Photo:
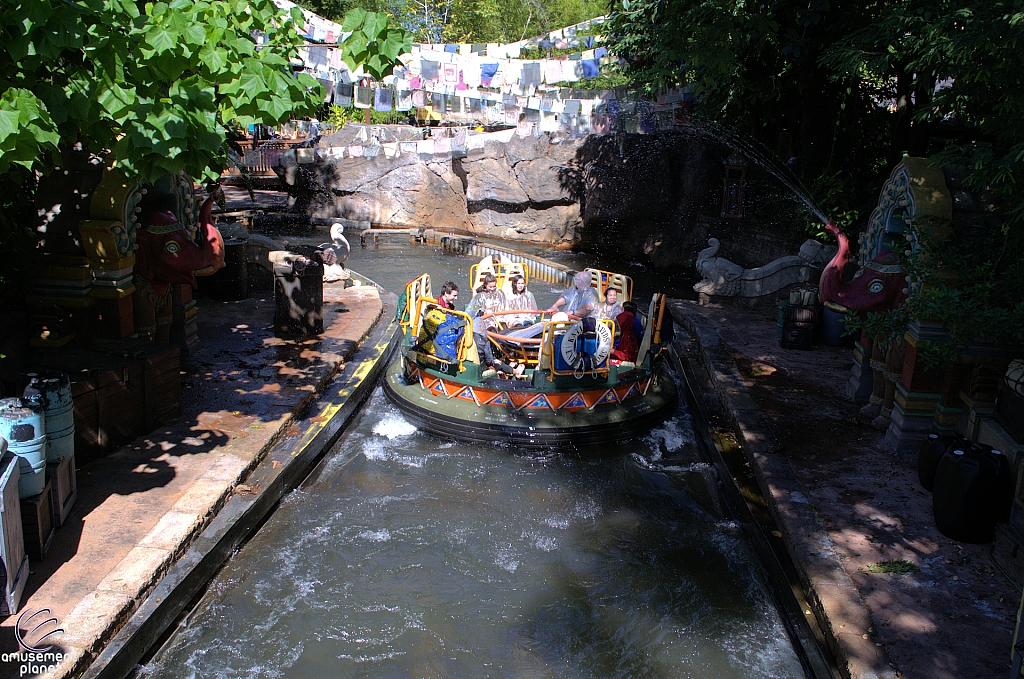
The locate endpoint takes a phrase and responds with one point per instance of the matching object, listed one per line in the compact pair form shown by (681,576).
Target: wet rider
(521,299)
(488,300)
(449,295)
(609,309)
(580,299)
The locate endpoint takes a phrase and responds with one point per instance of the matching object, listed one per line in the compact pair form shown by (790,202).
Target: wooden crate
(161,376)
(37,523)
(108,395)
(64,484)
(12,540)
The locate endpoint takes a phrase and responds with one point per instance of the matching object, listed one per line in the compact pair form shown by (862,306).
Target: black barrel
(969,494)
(298,299)
(231,283)
(931,451)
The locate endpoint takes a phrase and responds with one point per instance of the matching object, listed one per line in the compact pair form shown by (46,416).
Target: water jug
(931,451)
(965,498)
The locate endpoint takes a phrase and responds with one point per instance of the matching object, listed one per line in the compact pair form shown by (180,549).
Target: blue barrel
(53,388)
(833,327)
(23,424)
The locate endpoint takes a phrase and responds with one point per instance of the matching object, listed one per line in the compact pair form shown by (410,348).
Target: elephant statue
(167,254)
(879,285)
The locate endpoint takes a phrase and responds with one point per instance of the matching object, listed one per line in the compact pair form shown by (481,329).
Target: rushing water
(410,555)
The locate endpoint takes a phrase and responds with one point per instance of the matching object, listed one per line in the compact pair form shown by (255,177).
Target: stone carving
(168,254)
(722,278)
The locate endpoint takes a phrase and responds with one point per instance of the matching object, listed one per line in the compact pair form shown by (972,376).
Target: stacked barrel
(971,486)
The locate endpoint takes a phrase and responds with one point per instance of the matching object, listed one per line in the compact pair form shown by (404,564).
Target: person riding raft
(487,301)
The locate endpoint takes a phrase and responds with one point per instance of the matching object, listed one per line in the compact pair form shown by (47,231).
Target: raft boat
(571,395)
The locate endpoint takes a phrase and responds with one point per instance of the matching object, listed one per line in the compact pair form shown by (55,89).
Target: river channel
(411,555)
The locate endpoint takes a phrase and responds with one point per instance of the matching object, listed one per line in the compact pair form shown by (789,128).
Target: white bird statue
(335,254)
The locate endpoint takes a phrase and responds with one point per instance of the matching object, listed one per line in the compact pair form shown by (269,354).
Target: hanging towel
(415,83)
(451,49)
(364,97)
(600,52)
(343,95)
(590,68)
(461,85)
(588,41)
(391,149)
(408,147)
(404,102)
(419,99)
(531,74)
(569,73)
(430,70)
(487,72)
(451,73)
(572,107)
(552,71)
(437,102)
(382,100)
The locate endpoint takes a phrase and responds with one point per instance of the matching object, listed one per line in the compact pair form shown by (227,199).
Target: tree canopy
(160,84)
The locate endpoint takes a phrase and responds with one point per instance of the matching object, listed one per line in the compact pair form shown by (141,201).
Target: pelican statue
(334,255)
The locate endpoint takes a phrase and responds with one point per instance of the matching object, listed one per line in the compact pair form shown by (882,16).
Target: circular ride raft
(502,413)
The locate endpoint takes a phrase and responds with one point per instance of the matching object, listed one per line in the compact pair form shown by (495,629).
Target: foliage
(374,43)
(337,116)
(893,567)
(156,83)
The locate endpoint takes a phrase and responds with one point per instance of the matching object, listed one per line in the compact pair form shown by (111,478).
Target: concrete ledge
(285,465)
(839,610)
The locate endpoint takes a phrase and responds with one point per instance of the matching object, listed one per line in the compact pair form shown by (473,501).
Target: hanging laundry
(561,44)
(572,107)
(487,72)
(545,44)
(451,49)
(461,85)
(588,41)
(404,102)
(425,147)
(419,99)
(430,70)
(569,71)
(391,149)
(437,102)
(511,115)
(382,100)
(450,73)
(364,97)
(531,74)
(415,83)
(576,56)
(552,71)
(343,95)
(408,147)
(590,68)
(600,52)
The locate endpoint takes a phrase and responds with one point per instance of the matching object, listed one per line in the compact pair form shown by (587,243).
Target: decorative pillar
(917,393)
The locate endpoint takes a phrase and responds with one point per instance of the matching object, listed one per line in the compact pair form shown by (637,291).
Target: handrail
(504,271)
(466,345)
(548,347)
(415,289)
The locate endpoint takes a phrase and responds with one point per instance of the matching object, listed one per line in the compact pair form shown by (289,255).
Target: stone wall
(650,198)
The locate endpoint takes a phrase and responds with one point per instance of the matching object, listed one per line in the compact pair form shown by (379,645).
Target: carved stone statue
(721,277)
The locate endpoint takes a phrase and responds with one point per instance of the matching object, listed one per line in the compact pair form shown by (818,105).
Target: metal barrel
(23,425)
(54,388)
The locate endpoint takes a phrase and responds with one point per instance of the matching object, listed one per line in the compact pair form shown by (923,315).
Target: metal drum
(23,424)
(54,389)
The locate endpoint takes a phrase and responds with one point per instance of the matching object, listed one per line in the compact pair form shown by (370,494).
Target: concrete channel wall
(834,599)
